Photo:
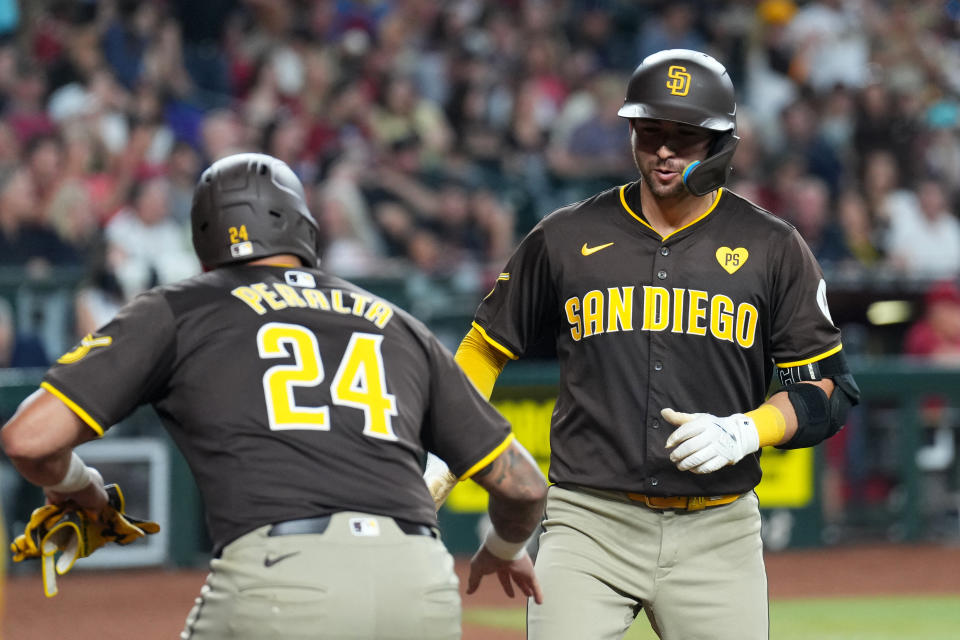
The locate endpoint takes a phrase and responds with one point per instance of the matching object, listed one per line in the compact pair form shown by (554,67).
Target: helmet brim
(674,113)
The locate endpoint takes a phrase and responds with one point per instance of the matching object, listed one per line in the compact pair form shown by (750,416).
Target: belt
(684,503)
(319,524)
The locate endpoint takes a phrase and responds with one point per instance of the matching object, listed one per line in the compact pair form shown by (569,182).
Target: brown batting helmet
(690,87)
(251,205)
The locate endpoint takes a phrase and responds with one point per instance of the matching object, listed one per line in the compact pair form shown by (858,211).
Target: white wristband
(78,477)
(503,549)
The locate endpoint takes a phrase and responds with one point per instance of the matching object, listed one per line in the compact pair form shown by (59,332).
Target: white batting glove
(705,443)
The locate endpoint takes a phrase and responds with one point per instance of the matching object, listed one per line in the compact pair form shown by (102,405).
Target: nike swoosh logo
(270,561)
(585,250)
(729,435)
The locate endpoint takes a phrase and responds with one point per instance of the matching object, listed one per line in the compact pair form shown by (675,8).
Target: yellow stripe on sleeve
(826,354)
(77,409)
(490,457)
(493,342)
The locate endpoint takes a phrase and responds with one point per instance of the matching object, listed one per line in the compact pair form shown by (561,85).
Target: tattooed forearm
(503,464)
(517,493)
(498,470)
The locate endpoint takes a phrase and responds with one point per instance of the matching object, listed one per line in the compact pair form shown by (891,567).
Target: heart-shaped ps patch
(732,259)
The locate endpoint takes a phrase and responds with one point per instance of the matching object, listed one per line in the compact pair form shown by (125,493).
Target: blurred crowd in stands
(432,135)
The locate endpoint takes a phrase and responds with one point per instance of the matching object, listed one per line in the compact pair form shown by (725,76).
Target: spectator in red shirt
(936,335)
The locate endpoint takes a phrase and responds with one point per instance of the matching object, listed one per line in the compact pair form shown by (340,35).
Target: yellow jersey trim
(713,205)
(826,354)
(83,415)
(494,343)
(487,459)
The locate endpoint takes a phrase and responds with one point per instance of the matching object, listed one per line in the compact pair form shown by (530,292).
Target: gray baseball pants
(362,578)
(699,575)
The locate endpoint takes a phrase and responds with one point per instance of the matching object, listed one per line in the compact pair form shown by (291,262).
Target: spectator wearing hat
(936,335)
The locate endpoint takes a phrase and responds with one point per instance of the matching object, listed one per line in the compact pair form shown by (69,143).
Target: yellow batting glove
(61,534)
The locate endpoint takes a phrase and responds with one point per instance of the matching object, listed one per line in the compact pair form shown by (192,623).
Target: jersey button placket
(659,267)
(662,273)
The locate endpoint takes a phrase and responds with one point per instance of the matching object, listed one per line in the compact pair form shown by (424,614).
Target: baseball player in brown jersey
(671,302)
(305,407)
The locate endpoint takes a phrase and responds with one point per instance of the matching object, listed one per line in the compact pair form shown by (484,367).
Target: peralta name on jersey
(262,297)
(677,310)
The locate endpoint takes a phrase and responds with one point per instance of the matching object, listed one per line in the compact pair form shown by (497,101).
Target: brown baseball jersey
(695,321)
(291,394)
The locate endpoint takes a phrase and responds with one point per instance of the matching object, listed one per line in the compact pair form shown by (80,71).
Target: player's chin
(667,188)
(663,183)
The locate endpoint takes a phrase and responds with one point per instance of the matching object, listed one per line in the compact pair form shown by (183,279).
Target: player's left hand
(705,443)
(519,571)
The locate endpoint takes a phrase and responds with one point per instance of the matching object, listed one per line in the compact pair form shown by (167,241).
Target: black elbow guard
(820,416)
(812,407)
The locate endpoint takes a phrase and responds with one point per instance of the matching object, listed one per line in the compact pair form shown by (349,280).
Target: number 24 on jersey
(360,381)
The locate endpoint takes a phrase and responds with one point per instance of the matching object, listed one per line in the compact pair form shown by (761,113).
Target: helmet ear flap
(703,176)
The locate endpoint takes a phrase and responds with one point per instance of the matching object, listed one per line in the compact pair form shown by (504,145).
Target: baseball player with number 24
(304,406)
(671,301)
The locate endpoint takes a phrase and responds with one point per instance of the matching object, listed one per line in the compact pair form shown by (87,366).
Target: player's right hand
(440,480)
(60,534)
(93,496)
(519,571)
